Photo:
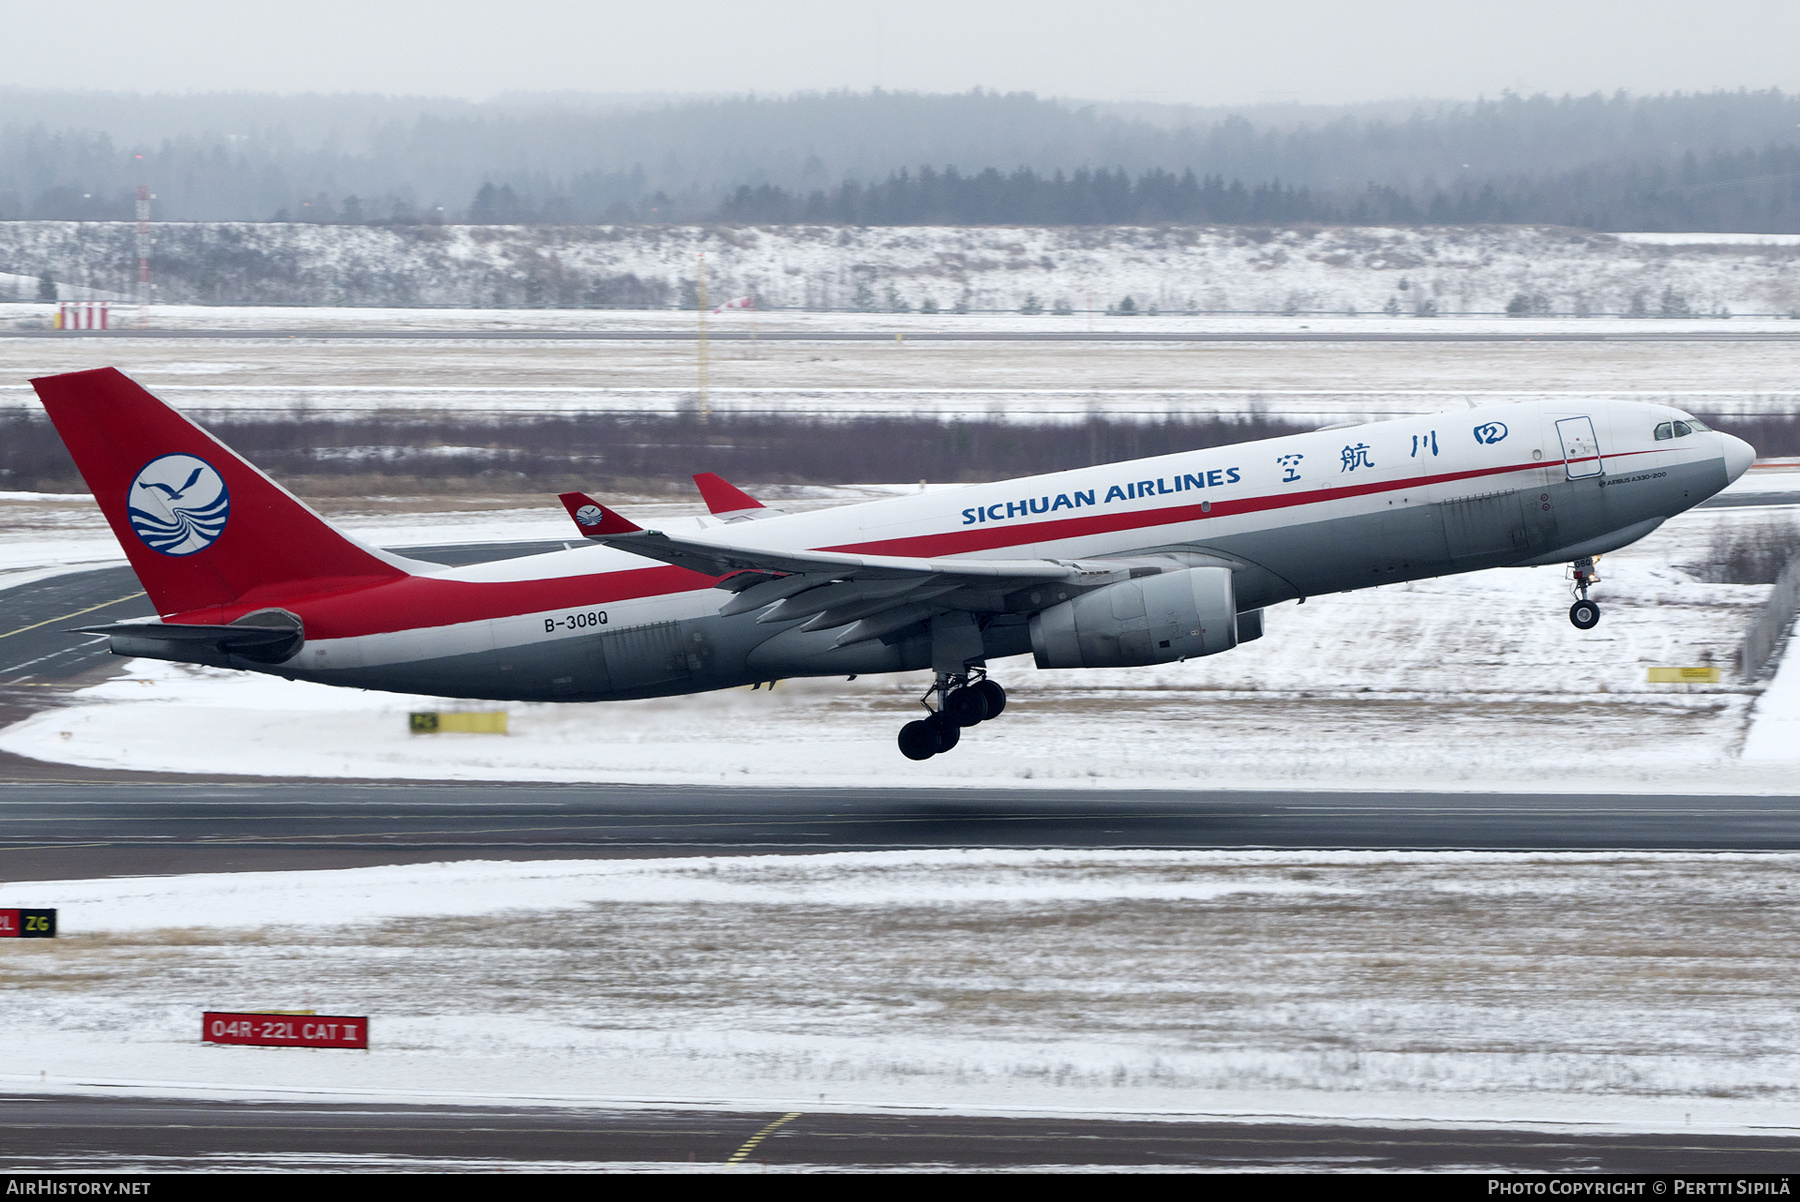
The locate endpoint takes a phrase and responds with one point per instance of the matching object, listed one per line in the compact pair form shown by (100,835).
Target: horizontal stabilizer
(263,644)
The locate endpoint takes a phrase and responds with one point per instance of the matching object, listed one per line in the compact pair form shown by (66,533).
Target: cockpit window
(1682,429)
(1665,431)
(1698,425)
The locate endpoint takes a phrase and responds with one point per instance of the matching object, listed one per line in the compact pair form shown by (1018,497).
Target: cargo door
(645,656)
(1411,542)
(578,668)
(1486,529)
(1581,450)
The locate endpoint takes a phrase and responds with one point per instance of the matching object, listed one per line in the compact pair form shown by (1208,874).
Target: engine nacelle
(1150,620)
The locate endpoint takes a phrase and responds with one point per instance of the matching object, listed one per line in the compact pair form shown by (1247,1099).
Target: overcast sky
(1311,51)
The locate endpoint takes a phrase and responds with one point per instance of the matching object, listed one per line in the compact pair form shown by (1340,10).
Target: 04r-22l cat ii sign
(1126,564)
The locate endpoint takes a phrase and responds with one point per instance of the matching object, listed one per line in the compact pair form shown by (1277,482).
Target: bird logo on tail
(178,504)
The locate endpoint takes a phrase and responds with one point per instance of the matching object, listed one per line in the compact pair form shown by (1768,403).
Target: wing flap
(876,625)
(767,591)
(858,610)
(839,593)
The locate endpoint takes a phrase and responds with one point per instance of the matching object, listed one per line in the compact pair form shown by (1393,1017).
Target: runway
(54,831)
(75,1134)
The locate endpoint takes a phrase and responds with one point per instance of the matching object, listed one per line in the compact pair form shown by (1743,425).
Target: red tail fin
(722,496)
(201,527)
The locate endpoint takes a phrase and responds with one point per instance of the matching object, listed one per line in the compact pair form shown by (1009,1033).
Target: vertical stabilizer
(201,527)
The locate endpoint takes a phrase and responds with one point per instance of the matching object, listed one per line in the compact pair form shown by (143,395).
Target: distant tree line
(1023,197)
(1747,191)
(1708,161)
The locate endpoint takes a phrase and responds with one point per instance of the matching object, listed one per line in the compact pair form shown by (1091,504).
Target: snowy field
(1326,381)
(1774,734)
(1647,991)
(1173,269)
(280,322)
(1472,682)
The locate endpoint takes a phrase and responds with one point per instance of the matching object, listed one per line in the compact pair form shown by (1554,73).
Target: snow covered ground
(283,321)
(1471,682)
(1711,239)
(1175,269)
(1325,381)
(1647,991)
(1774,735)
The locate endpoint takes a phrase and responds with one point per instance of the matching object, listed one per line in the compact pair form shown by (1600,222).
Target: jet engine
(1150,620)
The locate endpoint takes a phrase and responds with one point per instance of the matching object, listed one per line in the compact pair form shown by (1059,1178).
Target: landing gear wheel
(948,732)
(1585,614)
(919,740)
(959,702)
(967,707)
(996,696)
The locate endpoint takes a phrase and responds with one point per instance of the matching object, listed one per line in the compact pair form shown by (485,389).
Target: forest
(1747,191)
(1687,162)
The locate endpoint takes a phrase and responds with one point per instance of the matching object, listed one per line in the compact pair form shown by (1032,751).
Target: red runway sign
(285,1030)
(27,924)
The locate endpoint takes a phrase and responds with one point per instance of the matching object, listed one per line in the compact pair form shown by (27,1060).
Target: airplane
(1119,565)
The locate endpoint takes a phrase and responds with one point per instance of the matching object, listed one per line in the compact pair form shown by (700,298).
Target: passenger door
(1581,450)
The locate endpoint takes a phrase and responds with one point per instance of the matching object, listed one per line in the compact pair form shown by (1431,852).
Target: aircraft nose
(1738,455)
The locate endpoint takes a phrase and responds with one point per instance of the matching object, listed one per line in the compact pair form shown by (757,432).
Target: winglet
(595,519)
(722,497)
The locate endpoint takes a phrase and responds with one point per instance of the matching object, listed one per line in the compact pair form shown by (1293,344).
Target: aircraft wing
(720,559)
(870,594)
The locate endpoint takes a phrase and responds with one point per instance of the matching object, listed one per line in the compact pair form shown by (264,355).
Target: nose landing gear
(962,701)
(1585,614)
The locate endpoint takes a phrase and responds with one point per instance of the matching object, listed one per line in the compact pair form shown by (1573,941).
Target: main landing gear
(1584,613)
(961,701)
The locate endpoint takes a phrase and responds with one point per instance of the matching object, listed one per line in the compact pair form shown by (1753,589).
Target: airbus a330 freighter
(1126,564)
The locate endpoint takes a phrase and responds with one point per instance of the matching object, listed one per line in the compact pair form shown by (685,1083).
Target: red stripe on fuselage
(1016,534)
(965,540)
(422,601)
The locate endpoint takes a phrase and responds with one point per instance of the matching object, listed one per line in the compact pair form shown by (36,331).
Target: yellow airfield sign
(482,723)
(1684,676)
